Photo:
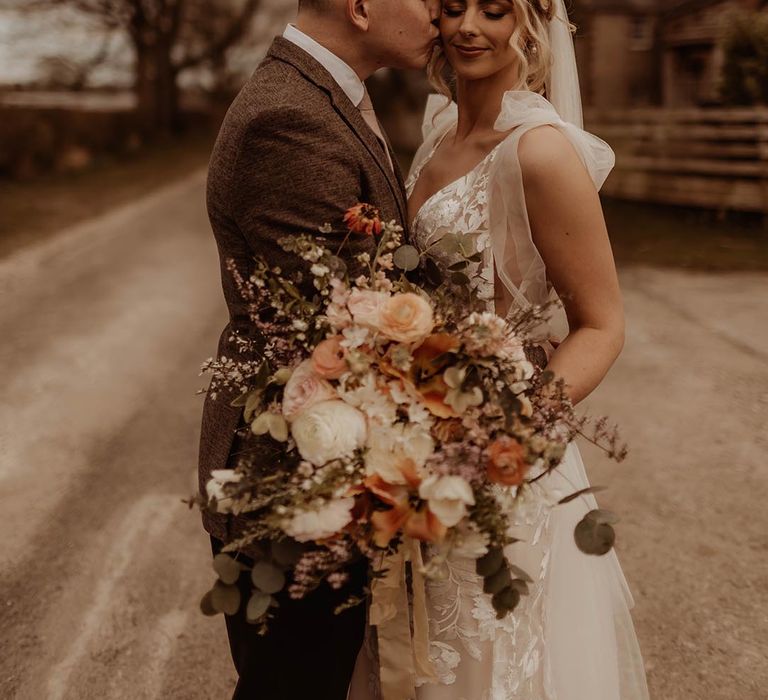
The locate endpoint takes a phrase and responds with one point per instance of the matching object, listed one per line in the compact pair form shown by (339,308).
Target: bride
(509,166)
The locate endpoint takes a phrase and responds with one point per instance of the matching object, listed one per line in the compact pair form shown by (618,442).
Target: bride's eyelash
(490,15)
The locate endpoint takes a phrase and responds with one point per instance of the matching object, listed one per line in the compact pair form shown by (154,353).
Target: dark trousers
(308,653)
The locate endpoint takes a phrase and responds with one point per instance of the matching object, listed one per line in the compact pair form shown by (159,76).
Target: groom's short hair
(313,4)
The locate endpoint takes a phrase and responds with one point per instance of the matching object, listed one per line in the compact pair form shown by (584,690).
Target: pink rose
(407,318)
(305,388)
(365,306)
(328,358)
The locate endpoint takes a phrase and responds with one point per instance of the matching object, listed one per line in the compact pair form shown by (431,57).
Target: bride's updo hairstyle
(529,40)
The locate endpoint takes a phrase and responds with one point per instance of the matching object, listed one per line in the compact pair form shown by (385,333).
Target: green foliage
(595,533)
(745,68)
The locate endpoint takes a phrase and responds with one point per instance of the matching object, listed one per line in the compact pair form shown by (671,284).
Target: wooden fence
(712,158)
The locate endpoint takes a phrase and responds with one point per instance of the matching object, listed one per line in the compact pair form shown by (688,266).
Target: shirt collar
(347,79)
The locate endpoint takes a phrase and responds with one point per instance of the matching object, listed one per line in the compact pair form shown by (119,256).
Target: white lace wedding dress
(572,638)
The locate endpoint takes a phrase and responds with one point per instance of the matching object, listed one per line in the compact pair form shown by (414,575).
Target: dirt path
(102,565)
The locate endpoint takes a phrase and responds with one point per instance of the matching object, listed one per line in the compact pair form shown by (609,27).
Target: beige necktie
(366,109)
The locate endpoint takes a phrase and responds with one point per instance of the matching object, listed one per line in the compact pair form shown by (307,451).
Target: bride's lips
(469,51)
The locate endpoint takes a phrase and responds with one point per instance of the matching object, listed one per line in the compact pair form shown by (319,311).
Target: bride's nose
(468,26)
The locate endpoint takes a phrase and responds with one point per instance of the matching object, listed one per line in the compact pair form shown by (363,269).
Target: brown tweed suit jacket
(293,153)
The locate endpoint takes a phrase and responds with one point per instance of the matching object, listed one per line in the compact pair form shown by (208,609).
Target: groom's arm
(294,173)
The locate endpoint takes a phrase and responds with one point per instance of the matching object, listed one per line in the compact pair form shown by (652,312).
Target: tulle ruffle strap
(523,107)
(439,115)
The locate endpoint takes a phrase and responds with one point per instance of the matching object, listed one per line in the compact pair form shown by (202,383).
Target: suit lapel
(287,51)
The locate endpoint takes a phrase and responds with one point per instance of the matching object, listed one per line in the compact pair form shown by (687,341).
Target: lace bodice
(459,208)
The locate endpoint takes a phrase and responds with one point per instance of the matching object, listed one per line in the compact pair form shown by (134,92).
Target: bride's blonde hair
(529,40)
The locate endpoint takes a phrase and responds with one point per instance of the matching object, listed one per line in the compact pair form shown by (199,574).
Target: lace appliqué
(501,659)
(460,208)
(506,656)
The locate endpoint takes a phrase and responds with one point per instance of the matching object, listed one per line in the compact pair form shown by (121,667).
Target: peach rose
(328,358)
(365,307)
(407,318)
(304,389)
(506,462)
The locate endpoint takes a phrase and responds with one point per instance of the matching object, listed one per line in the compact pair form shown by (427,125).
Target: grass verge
(666,236)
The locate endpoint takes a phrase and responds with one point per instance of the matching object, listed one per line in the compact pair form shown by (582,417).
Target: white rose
(448,497)
(329,430)
(325,521)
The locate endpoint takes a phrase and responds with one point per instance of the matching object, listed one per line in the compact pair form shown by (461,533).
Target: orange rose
(328,358)
(363,218)
(407,318)
(506,462)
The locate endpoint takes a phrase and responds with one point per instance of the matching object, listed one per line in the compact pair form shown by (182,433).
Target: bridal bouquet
(385,416)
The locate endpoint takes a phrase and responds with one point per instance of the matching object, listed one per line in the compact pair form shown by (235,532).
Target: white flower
(215,488)
(319,270)
(448,497)
(388,446)
(322,522)
(354,337)
(369,398)
(329,430)
(470,542)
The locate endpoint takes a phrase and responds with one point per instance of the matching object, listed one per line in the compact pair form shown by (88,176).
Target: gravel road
(102,566)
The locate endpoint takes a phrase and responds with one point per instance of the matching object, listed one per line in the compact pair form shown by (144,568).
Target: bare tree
(168,37)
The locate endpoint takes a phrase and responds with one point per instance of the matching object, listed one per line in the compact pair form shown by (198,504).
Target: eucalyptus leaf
(459,266)
(433,273)
(602,517)
(449,244)
(225,598)
(520,586)
(497,582)
(227,568)
(267,577)
(258,605)
(505,601)
(251,405)
(583,492)
(594,537)
(287,552)
(206,605)
(460,278)
(517,572)
(407,258)
(490,563)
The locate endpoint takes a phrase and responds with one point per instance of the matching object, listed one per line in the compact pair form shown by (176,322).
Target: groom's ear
(358,13)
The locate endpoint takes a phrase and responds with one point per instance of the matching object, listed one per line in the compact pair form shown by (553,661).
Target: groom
(298,147)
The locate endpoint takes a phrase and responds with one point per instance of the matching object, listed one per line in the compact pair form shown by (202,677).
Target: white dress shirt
(348,80)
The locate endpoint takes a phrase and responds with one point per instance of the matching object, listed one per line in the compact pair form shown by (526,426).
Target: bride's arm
(569,231)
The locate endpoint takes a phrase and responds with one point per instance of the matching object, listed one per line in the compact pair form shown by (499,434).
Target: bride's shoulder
(546,144)
(544,150)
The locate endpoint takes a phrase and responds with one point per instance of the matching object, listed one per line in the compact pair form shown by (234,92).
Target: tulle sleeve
(518,264)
